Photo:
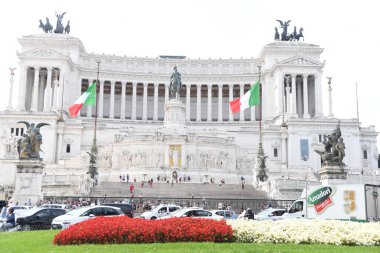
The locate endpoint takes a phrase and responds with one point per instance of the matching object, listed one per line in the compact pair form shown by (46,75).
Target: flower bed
(103,230)
(297,231)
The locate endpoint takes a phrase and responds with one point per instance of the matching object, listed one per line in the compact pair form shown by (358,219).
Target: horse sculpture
(276,34)
(175,84)
(300,34)
(67,27)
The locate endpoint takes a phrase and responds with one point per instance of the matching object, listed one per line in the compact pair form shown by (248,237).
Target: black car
(127,209)
(39,218)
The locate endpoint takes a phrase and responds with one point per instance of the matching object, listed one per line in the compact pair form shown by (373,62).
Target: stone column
(318,95)
(231,97)
(122,101)
(241,95)
(41,92)
(60,129)
(10,96)
(288,101)
(284,153)
(55,91)
(209,104)
(305,98)
(112,100)
(60,89)
(134,84)
(330,115)
(22,88)
(155,106)
(166,92)
(220,102)
(199,86)
(294,97)
(145,101)
(35,88)
(188,86)
(101,98)
(47,99)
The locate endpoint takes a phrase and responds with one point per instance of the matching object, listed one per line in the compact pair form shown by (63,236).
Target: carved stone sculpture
(29,146)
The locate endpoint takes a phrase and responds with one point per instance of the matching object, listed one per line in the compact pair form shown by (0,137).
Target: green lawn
(41,242)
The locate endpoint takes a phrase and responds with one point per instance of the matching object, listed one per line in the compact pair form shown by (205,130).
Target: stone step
(178,190)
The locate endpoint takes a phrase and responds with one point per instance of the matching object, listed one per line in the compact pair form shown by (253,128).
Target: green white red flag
(250,98)
(87,98)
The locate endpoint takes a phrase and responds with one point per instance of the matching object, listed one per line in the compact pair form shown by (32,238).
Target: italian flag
(87,98)
(251,98)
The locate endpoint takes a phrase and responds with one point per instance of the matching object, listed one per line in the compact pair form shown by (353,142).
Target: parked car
(270,214)
(62,206)
(193,212)
(84,213)
(159,211)
(127,209)
(39,218)
(225,214)
(20,210)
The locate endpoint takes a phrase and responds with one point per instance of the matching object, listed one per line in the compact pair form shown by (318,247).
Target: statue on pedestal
(29,146)
(334,148)
(175,84)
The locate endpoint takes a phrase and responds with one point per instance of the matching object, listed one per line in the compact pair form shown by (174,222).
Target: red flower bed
(102,230)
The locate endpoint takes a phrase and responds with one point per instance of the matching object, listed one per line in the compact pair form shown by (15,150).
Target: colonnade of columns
(296,99)
(198,104)
(43,92)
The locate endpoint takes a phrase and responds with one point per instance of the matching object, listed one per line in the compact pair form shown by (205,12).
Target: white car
(270,214)
(194,212)
(225,214)
(62,206)
(159,211)
(20,210)
(82,214)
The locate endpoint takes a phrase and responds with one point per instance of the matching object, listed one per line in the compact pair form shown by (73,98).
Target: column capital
(305,75)
(220,85)
(209,85)
(241,85)
(188,86)
(145,84)
(134,84)
(112,82)
(156,84)
(36,67)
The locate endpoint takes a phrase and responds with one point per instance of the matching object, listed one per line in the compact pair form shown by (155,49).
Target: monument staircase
(178,190)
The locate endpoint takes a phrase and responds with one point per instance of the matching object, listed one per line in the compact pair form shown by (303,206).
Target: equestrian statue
(175,84)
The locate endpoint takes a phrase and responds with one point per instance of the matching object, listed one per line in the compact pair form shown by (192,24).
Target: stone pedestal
(175,113)
(333,174)
(28,181)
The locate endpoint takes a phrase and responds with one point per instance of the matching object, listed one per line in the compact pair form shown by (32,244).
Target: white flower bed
(298,231)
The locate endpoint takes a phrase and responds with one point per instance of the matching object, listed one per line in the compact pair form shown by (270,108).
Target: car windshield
(30,212)
(265,212)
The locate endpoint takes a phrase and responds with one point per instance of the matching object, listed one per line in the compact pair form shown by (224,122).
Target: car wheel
(153,218)
(26,227)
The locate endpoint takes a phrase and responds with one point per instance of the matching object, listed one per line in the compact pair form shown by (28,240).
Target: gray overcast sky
(348,30)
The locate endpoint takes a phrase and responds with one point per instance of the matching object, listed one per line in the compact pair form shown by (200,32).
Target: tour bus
(356,202)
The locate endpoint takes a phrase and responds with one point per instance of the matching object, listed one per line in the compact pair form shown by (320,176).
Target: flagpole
(94,148)
(262,176)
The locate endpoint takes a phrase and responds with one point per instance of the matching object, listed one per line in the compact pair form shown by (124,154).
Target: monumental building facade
(135,138)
